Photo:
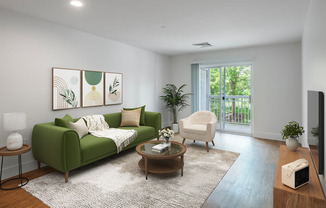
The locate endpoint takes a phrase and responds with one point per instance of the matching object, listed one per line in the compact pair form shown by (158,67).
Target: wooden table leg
(182,165)
(146,170)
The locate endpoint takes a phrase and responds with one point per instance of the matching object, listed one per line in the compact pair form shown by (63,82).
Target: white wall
(30,47)
(276,82)
(314,57)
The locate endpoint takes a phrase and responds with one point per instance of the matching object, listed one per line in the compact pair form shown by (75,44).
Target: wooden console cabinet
(309,195)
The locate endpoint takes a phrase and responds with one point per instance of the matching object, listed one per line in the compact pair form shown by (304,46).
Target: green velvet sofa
(60,147)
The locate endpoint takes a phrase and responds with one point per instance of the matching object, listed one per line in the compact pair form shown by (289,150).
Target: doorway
(230,97)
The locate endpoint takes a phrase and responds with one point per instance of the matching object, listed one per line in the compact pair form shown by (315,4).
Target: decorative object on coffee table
(161,162)
(14,122)
(5,152)
(291,133)
(166,134)
(175,101)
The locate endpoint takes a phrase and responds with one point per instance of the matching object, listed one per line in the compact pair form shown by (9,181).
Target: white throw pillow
(80,127)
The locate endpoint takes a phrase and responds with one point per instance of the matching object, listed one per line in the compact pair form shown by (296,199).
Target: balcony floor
(246,129)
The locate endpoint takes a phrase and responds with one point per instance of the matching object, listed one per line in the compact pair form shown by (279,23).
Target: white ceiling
(222,23)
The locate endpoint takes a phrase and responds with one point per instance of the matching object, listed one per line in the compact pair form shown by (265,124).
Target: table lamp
(14,122)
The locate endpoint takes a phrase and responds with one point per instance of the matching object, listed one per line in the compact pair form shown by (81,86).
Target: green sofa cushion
(113,119)
(64,122)
(93,147)
(142,114)
(144,133)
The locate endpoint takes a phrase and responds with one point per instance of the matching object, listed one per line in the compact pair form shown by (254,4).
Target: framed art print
(113,88)
(65,88)
(92,88)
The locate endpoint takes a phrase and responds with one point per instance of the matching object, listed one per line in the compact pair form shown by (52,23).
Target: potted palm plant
(291,133)
(175,100)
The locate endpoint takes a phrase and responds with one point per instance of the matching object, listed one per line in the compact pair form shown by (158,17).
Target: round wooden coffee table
(168,161)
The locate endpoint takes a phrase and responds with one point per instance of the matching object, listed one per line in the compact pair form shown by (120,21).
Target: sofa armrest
(154,119)
(56,146)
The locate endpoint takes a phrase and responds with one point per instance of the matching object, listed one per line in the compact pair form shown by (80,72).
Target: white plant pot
(175,128)
(292,144)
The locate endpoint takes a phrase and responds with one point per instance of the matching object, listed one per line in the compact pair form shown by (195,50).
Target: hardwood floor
(20,197)
(248,183)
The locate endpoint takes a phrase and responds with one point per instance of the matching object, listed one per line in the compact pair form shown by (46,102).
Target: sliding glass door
(230,97)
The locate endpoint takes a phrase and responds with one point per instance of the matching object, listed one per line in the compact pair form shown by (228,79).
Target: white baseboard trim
(13,170)
(267,135)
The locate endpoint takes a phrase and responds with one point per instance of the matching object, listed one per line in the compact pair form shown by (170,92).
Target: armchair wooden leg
(207,147)
(194,141)
(66,176)
(213,143)
(183,141)
(38,164)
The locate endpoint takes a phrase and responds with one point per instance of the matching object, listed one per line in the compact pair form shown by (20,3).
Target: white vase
(175,128)
(292,144)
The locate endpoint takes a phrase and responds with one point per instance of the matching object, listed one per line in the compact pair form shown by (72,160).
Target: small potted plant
(166,134)
(291,133)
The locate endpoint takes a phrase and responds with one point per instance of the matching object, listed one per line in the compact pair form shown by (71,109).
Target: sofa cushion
(195,129)
(63,122)
(130,117)
(144,133)
(92,147)
(142,114)
(113,119)
(80,127)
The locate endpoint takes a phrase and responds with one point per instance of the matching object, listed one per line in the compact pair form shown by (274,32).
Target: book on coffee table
(160,147)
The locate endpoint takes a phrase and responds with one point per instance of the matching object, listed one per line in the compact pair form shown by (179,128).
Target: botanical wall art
(92,88)
(65,88)
(113,88)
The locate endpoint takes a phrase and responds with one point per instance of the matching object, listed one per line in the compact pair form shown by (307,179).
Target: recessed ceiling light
(76,3)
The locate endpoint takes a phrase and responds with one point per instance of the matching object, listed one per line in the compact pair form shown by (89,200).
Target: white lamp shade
(14,121)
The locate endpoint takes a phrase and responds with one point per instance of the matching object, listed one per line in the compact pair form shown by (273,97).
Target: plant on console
(291,133)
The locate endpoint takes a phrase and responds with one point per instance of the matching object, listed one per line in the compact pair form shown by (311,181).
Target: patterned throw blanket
(97,126)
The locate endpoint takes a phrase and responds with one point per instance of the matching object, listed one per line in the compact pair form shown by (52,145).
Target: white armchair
(200,126)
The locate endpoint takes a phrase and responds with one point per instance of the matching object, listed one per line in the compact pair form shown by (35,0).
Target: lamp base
(14,141)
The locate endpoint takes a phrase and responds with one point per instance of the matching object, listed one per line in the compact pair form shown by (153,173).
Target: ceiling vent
(202,45)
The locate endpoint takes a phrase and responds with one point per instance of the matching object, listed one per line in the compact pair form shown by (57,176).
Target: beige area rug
(119,182)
